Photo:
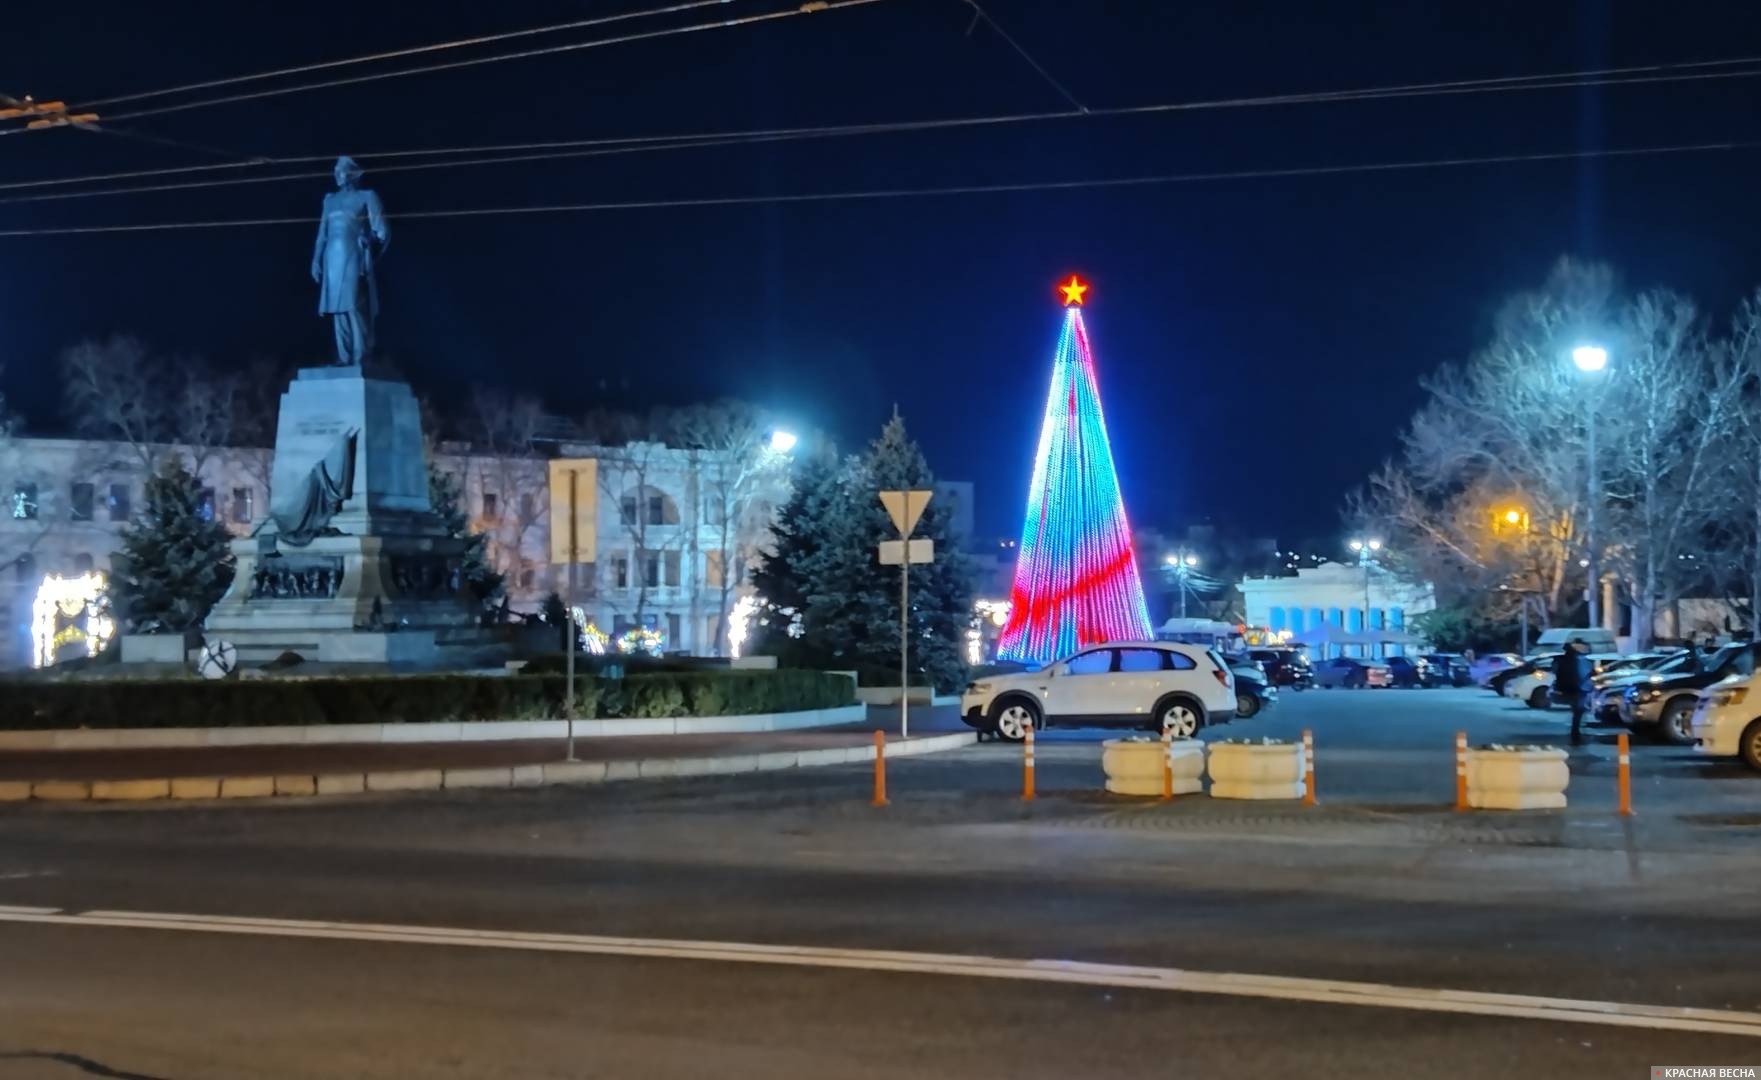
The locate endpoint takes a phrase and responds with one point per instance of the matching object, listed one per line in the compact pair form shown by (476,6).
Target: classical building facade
(674,532)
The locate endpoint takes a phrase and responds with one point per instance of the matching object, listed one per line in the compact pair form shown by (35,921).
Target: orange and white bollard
(1461,770)
(1308,767)
(880,768)
(1167,765)
(1624,777)
(1027,766)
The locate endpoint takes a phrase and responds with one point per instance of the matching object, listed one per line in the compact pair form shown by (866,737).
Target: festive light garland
(648,639)
(1076,579)
(740,621)
(69,611)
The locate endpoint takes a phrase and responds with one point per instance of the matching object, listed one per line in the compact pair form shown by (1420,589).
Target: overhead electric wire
(981,13)
(813,7)
(962,189)
(1642,74)
(394,54)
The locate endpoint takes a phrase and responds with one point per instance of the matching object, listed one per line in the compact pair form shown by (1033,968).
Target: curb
(472,777)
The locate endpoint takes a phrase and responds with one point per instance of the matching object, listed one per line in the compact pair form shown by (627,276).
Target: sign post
(905,508)
(575,541)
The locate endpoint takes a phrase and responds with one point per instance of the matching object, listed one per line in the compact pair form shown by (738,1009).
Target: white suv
(1159,685)
(1727,720)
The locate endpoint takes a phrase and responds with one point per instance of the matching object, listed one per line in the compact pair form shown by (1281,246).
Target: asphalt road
(1385,890)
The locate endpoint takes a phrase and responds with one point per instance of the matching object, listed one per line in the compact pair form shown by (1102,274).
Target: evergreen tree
(484,581)
(176,560)
(825,565)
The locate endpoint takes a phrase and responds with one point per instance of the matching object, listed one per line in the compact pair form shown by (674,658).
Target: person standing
(1571,680)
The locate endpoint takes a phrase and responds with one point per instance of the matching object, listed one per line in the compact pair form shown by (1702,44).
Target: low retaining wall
(468,777)
(463,731)
(889,695)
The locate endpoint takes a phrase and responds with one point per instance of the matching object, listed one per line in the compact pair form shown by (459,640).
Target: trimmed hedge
(155,703)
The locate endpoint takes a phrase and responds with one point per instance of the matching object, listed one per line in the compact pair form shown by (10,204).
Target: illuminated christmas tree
(1076,577)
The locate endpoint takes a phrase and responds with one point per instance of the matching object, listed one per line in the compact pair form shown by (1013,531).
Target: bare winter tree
(1675,404)
(740,483)
(504,433)
(117,391)
(1740,478)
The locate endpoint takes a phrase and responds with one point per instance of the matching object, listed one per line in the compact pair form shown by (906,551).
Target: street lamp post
(1591,359)
(1366,550)
(1182,563)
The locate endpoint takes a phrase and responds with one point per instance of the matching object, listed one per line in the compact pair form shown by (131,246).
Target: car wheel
(1013,716)
(1750,746)
(1356,682)
(1676,725)
(1246,705)
(1539,699)
(1179,718)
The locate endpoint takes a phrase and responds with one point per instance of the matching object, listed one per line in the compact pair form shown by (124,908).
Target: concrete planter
(889,695)
(1256,770)
(1134,766)
(155,649)
(1528,778)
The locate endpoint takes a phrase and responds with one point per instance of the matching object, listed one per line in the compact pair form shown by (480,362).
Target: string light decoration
(643,639)
(593,639)
(69,615)
(1076,579)
(740,623)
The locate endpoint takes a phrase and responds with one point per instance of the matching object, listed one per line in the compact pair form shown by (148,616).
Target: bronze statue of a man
(351,238)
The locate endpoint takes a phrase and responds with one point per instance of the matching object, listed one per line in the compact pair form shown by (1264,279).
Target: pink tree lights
(1076,577)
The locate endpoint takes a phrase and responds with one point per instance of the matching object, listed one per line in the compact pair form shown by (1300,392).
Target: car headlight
(978,688)
(1650,693)
(1734,695)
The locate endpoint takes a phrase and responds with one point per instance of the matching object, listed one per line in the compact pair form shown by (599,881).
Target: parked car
(1532,685)
(1253,693)
(1727,720)
(1606,689)
(1664,703)
(1449,669)
(1498,681)
(1285,667)
(1352,672)
(1412,672)
(1159,685)
(1485,667)
(1555,640)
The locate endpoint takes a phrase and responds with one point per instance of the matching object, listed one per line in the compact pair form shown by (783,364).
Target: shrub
(159,703)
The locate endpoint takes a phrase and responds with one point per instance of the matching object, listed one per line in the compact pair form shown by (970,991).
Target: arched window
(1396,618)
(1275,619)
(1296,626)
(1335,617)
(1378,620)
(1354,620)
(1316,618)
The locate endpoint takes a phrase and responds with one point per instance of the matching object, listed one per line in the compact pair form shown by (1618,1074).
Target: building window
(1396,619)
(24,503)
(119,502)
(526,577)
(205,508)
(1354,621)
(713,568)
(621,625)
(1296,626)
(1377,619)
(672,631)
(82,563)
(656,510)
(244,502)
(718,512)
(526,507)
(620,569)
(709,638)
(1316,618)
(651,569)
(1335,617)
(627,510)
(1275,619)
(491,506)
(24,567)
(672,569)
(81,499)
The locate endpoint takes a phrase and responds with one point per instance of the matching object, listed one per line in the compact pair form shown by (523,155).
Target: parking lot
(1388,748)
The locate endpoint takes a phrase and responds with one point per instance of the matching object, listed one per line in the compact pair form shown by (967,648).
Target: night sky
(1259,341)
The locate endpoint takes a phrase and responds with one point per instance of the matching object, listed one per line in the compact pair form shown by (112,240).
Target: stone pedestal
(381,583)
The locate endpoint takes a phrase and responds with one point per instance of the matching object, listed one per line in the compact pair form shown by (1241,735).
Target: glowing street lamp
(1591,359)
(1513,516)
(781,442)
(1182,564)
(1366,550)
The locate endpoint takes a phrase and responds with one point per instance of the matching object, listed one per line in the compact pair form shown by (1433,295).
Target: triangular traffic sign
(905,508)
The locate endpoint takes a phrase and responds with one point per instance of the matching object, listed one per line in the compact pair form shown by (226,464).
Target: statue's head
(347,171)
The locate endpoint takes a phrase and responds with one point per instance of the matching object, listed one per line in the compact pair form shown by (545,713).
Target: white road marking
(1276,987)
